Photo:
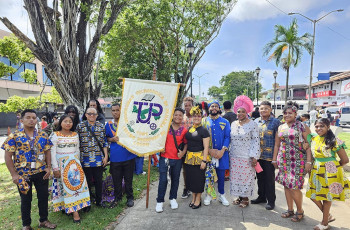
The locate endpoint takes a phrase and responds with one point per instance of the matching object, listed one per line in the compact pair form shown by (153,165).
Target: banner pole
(154,78)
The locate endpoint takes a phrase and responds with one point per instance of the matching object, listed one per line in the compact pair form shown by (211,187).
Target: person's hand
(114,139)
(203,165)
(57,174)
(220,153)
(212,152)
(274,163)
(308,167)
(105,161)
(254,161)
(47,174)
(15,178)
(180,153)
(306,145)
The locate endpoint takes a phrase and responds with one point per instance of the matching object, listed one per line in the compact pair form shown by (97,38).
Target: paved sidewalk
(216,216)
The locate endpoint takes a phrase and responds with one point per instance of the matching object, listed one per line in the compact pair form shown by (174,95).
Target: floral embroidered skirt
(328,182)
(242,177)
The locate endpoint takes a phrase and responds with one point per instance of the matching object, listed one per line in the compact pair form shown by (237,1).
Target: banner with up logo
(146,114)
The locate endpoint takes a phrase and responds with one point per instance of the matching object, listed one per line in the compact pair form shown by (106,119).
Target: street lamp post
(274,93)
(313,47)
(199,81)
(257,71)
(190,50)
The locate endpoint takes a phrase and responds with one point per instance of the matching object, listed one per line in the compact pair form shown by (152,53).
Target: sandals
(244,203)
(321,227)
(47,224)
(237,201)
(296,217)
(330,218)
(287,214)
(113,204)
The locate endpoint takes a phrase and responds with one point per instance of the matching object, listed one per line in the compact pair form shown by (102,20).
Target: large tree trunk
(67,58)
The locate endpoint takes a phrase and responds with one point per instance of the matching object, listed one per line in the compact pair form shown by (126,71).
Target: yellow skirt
(328,182)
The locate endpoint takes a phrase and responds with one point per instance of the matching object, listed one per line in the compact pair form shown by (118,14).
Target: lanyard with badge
(33,149)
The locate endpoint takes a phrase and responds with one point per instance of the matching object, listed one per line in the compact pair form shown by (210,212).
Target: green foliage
(235,84)
(155,33)
(29,75)
(215,91)
(16,51)
(15,103)
(96,219)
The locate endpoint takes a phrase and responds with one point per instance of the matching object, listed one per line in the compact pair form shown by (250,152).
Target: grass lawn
(97,218)
(345,137)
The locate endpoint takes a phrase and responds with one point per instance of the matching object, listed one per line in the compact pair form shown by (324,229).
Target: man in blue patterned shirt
(93,151)
(268,126)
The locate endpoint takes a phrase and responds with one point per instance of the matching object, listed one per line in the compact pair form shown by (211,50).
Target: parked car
(345,115)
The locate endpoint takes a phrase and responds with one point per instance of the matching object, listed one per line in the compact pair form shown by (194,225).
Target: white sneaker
(223,200)
(173,204)
(207,200)
(159,207)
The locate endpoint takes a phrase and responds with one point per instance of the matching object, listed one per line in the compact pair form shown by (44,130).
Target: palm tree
(288,48)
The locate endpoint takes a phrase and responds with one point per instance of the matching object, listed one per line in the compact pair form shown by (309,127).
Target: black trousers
(266,182)
(95,173)
(120,170)
(42,190)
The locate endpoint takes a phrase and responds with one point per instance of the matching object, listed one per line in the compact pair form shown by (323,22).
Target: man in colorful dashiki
(219,129)
(122,162)
(93,151)
(28,158)
(268,127)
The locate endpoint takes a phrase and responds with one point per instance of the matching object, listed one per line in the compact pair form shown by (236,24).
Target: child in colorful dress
(327,181)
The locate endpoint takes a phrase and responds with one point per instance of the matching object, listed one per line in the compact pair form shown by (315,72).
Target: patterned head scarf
(195,110)
(214,102)
(243,102)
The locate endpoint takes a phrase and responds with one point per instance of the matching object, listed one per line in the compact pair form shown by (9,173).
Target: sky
(250,25)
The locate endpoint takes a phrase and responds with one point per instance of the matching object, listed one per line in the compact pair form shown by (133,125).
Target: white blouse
(245,140)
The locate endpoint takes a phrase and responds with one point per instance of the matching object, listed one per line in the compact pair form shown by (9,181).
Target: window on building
(301,107)
(17,75)
(45,78)
(278,106)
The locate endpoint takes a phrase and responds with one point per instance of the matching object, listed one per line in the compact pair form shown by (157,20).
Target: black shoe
(197,206)
(258,201)
(185,194)
(114,204)
(191,205)
(269,206)
(76,221)
(130,203)
(101,205)
(87,209)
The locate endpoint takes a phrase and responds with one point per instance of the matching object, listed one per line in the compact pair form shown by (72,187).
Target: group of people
(200,141)
(76,152)
(207,144)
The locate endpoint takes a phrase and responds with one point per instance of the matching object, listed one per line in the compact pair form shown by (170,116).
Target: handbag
(258,168)
(178,147)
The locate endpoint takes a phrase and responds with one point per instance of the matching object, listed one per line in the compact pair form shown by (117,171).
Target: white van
(280,105)
(344,115)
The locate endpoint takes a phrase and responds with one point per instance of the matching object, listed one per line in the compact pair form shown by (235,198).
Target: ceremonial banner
(146,113)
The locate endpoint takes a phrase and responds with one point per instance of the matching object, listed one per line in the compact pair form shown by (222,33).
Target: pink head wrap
(243,102)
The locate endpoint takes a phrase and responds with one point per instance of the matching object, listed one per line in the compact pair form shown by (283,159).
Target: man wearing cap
(219,129)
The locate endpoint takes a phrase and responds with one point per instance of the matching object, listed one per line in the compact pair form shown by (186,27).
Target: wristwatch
(226,149)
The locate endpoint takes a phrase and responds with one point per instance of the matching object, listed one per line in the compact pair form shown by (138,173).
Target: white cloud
(226,53)
(262,9)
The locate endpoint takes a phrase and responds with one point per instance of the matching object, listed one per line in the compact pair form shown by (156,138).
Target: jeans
(139,165)
(266,182)
(96,174)
(174,167)
(42,190)
(221,180)
(120,170)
